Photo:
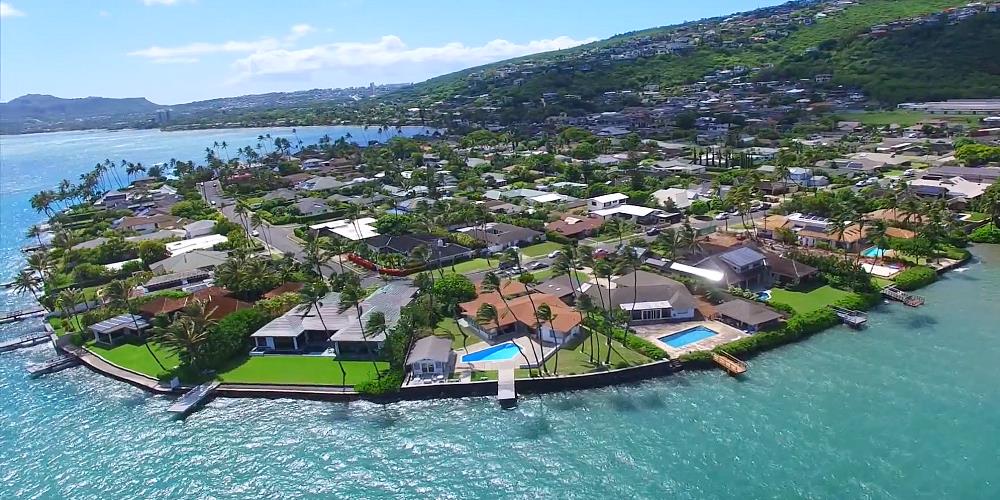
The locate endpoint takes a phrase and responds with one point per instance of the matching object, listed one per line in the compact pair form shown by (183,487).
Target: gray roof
(120,322)
(189,261)
(432,348)
(742,256)
(650,287)
(746,312)
(94,243)
(390,300)
(200,224)
(183,276)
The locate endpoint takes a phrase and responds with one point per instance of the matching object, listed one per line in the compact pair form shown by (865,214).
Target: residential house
(206,242)
(742,267)
(647,297)
(311,207)
(680,198)
(636,214)
(114,331)
(431,357)
(205,260)
(499,236)
(606,201)
(985,175)
(812,230)
(440,251)
(176,280)
(199,228)
(747,315)
(319,184)
(349,229)
(217,302)
(145,225)
(516,316)
(576,227)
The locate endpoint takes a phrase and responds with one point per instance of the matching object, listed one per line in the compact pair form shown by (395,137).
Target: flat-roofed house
(606,201)
(499,236)
(116,330)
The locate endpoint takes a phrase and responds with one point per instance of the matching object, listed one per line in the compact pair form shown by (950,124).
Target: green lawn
(812,300)
(59,325)
(541,249)
(978,216)
(136,357)
(903,118)
(304,370)
(474,265)
(576,359)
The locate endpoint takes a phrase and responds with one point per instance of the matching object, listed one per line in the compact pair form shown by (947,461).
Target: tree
(25,282)
(352,296)
(152,251)
(67,300)
(544,315)
(116,294)
(184,337)
(312,296)
(454,288)
(529,280)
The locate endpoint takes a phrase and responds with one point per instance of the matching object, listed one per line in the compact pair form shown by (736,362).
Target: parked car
(722,216)
(538,265)
(653,231)
(255,233)
(555,254)
(213,202)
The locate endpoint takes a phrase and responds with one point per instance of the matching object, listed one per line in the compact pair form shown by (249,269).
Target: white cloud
(8,10)
(149,3)
(189,53)
(389,50)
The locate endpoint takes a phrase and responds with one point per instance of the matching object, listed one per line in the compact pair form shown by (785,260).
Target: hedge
(796,328)
(915,277)
(639,344)
(985,234)
(390,382)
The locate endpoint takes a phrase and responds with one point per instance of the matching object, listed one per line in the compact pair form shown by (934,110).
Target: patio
(724,334)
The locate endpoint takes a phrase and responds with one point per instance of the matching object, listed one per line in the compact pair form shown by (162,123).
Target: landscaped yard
(903,118)
(136,357)
(474,265)
(303,370)
(541,249)
(576,359)
(448,328)
(806,301)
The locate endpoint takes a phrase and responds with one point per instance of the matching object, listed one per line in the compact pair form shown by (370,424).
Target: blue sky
(174,51)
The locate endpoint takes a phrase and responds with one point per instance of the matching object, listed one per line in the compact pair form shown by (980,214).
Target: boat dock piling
(850,317)
(52,365)
(192,398)
(901,296)
(730,363)
(28,340)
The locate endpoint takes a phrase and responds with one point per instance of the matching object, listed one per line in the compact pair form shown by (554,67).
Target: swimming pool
(501,352)
(689,336)
(874,252)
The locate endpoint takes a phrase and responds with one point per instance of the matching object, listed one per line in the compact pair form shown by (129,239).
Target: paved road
(278,237)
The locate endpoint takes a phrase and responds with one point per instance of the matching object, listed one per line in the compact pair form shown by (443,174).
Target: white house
(199,243)
(431,356)
(606,201)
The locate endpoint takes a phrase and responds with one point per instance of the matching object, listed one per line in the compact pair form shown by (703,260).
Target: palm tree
(544,314)
(116,294)
(352,296)
(67,300)
(315,256)
(25,282)
(528,280)
(782,173)
(39,263)
(312,296)
(35,232)
(184,337)
(257,222)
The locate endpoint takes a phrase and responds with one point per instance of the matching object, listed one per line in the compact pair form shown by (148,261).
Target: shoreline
(199,129)
(485,388)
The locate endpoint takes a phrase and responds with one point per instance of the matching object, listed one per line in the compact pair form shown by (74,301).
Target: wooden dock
(192,398)
(729,363)
(12,316)
(505,388)
(901,296)
(850,317)
(24,341)
(52,365)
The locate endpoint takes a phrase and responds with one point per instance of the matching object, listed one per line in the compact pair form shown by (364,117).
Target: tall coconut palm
(39,262)
(184,337)
(25,282)
(544,315)
(67,300)
(529,281)
(315,256)
(352,296)
(312,297)
(35,232)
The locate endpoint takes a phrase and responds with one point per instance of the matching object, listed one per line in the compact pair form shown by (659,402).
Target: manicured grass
(903,118)
(59,325)
(541,249)
(480,375)
(812,300)
(978,216)
(575,359)
(882,282)
(448,328)
(471,266)
(136,357)
(302,370)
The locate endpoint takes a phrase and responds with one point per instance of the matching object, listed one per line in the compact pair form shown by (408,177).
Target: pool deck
(724,334)
(528,345)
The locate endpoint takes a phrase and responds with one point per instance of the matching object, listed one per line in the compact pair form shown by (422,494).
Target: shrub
(88,272)
(797,327)
(781,306)
(639,344)
(390,382)
(986,234)
(229,337)
(915,277)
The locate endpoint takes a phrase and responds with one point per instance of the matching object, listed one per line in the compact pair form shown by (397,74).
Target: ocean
(908,408)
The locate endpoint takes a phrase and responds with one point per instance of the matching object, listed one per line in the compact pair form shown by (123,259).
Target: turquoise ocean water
(909,408)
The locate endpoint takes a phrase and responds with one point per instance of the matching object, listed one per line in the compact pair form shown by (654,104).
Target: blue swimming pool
(689,336)
(501,352)
(874,252)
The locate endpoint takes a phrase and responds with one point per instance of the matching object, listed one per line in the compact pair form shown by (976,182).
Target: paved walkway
(99,365)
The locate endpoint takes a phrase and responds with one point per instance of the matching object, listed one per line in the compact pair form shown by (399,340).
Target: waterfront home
(789,271)
(499,236)
(113,199)
(217,301)
(199,228)
(747,315)
(742,267)
(430,357)
(813,230)
(440,251)
(606,201)
(327,328)
(648,297)
(114,331)
(150,224)
(204,260)
(576,227)
(516,315)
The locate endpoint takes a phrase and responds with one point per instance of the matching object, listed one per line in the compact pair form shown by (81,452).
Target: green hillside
(830,45)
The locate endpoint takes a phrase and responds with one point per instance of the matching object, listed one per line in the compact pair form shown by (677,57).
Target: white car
(255,233)
(213,202)
(722,216)
(555,254)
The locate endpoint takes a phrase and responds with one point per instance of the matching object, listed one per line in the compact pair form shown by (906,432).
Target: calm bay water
(906,409)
